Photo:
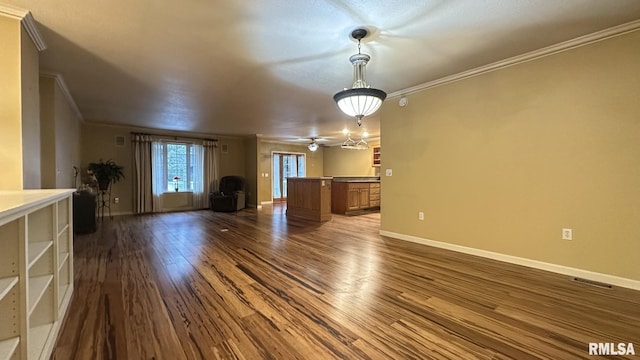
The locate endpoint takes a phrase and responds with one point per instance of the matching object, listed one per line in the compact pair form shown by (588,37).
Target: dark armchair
(230,196)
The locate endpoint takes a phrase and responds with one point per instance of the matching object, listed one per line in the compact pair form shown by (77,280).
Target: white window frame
(189,182)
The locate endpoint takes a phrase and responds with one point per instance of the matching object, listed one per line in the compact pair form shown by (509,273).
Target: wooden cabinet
(36,270)
(357,196)
(374,195)
(309,198)
(353,196)
(363,199)
(375,161)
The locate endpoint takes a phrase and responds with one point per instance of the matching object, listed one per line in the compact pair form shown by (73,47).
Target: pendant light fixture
(313,146)
(351,144)
(361,100)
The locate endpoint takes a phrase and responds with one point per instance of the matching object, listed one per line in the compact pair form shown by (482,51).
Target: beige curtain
(158,173)
(142,188)
(200,194)
(210,170)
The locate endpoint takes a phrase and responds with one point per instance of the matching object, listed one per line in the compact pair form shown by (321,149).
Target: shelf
(8,347)
(63,292)
(63,260)
(36,237)
(6,284)
(376,156)
(63,230)
(38,336)
(63,240)
(37,249)
(37,287)
(63,214)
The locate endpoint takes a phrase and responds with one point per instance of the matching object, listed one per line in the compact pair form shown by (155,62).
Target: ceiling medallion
(361,100)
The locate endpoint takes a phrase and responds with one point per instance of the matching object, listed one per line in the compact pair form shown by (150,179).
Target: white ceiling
(271,67)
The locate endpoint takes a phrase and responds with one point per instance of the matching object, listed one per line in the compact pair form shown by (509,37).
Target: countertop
(354,179)
(311,178)
(12,202)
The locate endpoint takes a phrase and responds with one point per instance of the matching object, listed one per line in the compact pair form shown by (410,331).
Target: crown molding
(519,59)
(160,132)
(65,90)
(12,12)
(29,23)
(283,142)
(31,27)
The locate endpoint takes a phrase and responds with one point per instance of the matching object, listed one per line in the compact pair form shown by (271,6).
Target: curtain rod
(175,137)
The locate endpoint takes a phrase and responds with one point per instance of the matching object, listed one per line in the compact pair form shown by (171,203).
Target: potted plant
(106,172)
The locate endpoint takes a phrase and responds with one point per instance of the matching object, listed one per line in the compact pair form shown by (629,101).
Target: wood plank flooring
(257,285)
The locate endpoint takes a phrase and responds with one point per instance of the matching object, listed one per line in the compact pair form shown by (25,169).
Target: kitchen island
(309,198)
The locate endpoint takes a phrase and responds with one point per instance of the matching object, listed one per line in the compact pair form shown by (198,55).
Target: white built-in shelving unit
(36,270)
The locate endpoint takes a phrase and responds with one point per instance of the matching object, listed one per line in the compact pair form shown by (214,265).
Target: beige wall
(47,133)
(342,162)
(10,105)
(233,161)
(265,149)
(98,142)
(19,108)
(177,201)
(59,136)
(503,161)
(30,113)
(67,140)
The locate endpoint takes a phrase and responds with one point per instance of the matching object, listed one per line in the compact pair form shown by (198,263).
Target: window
(185,160)
(180,160)
(286,165)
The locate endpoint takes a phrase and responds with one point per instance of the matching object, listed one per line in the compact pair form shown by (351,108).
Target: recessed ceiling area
(272,67)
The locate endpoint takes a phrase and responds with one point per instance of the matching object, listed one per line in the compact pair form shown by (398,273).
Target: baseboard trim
(560,269)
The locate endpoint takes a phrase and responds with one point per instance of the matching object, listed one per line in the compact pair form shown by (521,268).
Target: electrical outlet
(567,234)
(116,200)
(389,172)
(420,215)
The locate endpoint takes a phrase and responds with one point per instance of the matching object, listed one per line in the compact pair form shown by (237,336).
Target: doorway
(286,165)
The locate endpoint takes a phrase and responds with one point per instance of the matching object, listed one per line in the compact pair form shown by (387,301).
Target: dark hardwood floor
(257,285)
